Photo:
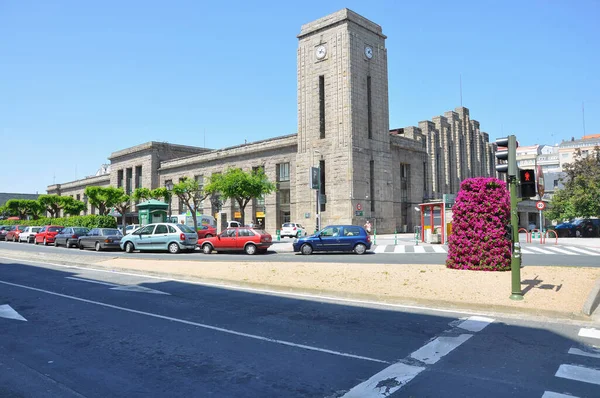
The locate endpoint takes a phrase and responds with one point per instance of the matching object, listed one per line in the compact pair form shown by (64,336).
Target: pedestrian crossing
(526,249)
(576,370)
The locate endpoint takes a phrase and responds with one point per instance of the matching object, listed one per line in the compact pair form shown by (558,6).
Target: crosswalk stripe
(525,251)
(400,249)
(379,249)
(556,249)
(438,249)
(589,332)
(592,353)
(537,249)
(579,373)
(419,249)
(577,249)
(550,394)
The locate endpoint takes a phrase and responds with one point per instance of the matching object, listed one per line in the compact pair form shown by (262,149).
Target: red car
(206,231)
(47,234)
(13,233)
(250,240)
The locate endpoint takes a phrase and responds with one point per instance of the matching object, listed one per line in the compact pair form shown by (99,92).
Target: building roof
(6,196)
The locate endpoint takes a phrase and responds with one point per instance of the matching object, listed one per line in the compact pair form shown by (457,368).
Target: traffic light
(527,183)
(509,154)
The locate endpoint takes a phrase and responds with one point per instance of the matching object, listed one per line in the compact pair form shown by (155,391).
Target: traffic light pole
(515,260)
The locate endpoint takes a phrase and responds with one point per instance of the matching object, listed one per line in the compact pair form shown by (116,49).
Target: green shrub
(90,221)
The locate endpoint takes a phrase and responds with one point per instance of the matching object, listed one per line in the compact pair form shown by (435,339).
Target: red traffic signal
(527,183)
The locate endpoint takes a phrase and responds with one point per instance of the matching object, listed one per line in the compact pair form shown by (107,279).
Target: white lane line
(475,323)
(433,351)
(400,249)
(6,311)
(396,376)
(550,394)
(201,325)
(593,353)
(438,249)
(589,332)
(538,250)
(577,249)
(419,249)
(386,382)
(525,251)
(579,373)
(562,251)
(91,281)
(379,249)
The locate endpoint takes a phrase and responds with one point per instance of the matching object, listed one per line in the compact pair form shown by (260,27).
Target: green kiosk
(152,211)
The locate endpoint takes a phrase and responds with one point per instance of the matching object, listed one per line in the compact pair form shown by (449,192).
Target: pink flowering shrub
(478,240)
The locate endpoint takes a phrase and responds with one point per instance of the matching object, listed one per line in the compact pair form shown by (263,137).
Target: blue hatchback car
(335,238)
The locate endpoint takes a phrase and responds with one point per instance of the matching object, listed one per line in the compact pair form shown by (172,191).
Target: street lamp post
(169,186)
(318,213)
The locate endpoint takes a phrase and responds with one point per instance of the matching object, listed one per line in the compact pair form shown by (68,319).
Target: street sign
(358,206)
(358,213)
(315,178)
(540,205)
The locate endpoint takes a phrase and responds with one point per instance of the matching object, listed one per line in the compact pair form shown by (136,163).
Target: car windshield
(185,228)
(54,229)
(260,231)
(36,229)
(80,231)
(288,225)
(578,222)
(110,231)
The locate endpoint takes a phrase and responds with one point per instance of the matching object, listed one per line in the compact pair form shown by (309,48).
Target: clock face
(321,52)
(368,52)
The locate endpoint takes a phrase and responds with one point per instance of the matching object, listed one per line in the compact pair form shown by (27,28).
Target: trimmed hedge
(478,240)
(90,221)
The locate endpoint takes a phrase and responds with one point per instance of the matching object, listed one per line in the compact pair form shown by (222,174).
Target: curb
(593,300)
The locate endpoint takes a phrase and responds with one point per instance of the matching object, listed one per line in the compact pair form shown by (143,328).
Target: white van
(202,219)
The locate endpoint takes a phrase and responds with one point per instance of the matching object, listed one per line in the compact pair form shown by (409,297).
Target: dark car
(582,227)
(4,230)
(100,239)
(565,229)
(69,236)
(335,238)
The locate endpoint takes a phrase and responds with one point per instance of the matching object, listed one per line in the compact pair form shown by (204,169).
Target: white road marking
(577,249)
(201,325)
(538,250)
(90,281)
(419,249)
(475,323)
(433,351)
(579,373)
(438,249)
(6,311)
(525,251)
(589,332)
(558,250)
(379,249)
(593,353)
(550,394)
(396,376)
(400,249)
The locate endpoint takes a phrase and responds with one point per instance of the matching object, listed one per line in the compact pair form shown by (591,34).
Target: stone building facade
(366,170)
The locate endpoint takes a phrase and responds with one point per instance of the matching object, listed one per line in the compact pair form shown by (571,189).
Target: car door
(160,237)
(142,238)
(227,240)
(39,237)
(350,234)
(329,239)
(64,235)
(88,239)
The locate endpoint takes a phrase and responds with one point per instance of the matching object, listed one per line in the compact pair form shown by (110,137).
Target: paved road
(534,254)
(92,334)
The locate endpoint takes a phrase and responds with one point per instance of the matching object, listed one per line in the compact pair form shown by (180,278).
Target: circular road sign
(358,206)
(540,205)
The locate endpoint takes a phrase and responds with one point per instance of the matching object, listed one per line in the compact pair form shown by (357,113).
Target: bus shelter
(433,222)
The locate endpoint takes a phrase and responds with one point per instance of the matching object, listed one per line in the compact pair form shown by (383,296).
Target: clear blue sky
(81,79)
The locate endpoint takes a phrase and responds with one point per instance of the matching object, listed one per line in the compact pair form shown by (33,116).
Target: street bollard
(374,236)
(395,237)
(278,235)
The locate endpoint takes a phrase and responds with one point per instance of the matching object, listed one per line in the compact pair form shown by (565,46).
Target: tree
(192,194)
(103,198)
(72,207)
(16,207)
(241,186)
(141,194)
(580,196)
(51,203)
(34,208)
(122,205)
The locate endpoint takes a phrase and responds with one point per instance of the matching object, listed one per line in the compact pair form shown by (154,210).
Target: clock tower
(343,123)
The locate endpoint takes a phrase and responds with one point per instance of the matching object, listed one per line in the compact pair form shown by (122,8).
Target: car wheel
(129,247)
(68,244)
(360,249)
(81,246)
(173,248)
(98,247)
(45,242)
(14,239)
(207,248)
(250,249)
(208,236)
(306,249)
(56,243)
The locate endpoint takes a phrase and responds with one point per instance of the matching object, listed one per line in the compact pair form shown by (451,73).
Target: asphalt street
(547,256)
(74,333)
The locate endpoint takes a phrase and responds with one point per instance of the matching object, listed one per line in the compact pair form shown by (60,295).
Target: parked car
(162,236)
(206,231)
(69,236)
(46,234)
(335,238)
(581,227)
(28,235)
(4,230)
(100,239)
(130,228)
(249,240)
(13,232)
(293,230)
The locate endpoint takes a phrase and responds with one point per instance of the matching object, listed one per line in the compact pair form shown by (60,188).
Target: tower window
(322,106)
(369,116)
(322,187)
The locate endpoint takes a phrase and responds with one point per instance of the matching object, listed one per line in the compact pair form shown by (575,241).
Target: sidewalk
(555,292)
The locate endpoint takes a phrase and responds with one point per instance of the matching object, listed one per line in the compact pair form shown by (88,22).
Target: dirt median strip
(549,291)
